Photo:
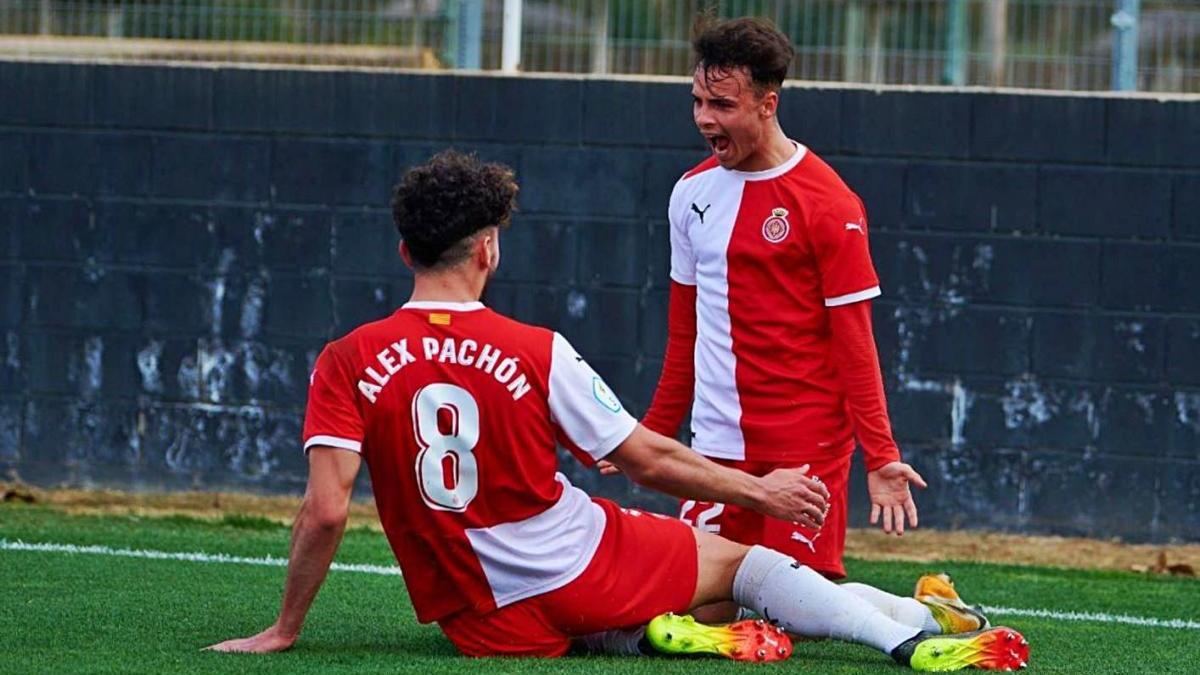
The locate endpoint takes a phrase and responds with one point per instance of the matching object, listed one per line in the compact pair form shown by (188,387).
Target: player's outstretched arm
(888,478)
(667,465)
(316,535)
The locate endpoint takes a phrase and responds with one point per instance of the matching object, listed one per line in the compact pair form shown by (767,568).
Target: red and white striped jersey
(456,411)
(769,252)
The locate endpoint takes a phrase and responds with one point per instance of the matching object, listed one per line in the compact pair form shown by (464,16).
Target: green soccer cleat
(750,640)
(993,649)
(936,591)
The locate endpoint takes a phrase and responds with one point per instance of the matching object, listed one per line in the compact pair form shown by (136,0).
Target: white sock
(622,642)
(806,603)
(902,610)
(744,613)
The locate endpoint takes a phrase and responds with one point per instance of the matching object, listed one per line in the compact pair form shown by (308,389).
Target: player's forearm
(315,539)
(681,472)
(858,367)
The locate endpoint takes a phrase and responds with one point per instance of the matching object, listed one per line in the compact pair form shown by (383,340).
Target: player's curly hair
(440,205)
(752,43)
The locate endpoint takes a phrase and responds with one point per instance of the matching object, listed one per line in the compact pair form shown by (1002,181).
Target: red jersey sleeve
(839,237)
(677,382)
(332,418)
(858,366)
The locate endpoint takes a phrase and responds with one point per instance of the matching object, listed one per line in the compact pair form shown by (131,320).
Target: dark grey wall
(176,244)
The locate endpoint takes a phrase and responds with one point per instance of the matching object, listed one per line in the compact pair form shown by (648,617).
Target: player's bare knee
(732,553)
(718,559)
(721,550)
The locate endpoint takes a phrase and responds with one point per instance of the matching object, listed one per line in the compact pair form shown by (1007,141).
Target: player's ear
(769,105)
(483,249)
(406,255)
(488,248)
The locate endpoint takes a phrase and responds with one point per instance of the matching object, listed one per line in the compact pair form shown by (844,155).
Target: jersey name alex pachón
(458,412)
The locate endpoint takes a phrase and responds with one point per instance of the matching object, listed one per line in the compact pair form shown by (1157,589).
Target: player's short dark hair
(751,43)
(440,205)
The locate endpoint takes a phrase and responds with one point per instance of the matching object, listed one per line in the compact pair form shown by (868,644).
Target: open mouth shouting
(721,146)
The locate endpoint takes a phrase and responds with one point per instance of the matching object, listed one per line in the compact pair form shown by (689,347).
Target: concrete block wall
(177,243)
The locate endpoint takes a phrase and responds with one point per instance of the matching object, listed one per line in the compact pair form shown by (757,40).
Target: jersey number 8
(446,425)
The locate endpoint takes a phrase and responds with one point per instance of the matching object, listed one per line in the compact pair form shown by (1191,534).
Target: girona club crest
(776,227)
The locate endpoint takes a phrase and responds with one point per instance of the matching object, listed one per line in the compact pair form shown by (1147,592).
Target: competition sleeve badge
(776,227)
(605,396)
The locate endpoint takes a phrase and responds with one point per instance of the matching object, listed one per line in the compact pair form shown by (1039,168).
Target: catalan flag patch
(439,319)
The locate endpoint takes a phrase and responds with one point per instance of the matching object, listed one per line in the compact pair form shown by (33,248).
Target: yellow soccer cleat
(750,640)
(992,649)
(936,591)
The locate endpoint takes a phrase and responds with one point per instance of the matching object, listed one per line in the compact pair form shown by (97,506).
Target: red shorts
(819,549)
(646,565)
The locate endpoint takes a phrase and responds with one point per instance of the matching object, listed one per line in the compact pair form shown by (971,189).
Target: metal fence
(1055,44)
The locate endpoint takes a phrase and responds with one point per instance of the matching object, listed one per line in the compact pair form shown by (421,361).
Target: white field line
(6,545)
(269,561)
(1098,617)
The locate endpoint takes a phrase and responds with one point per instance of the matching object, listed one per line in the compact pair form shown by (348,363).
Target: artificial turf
(63,612)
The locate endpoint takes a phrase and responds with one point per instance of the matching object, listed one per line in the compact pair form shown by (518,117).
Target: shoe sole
(750,640)
(994,649)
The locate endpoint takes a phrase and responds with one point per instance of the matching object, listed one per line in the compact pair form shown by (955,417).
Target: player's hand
(270,640)
(890,496)
(608,468)
(792,495)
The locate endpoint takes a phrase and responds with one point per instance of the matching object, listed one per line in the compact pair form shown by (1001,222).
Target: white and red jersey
(768,253)
(457,410)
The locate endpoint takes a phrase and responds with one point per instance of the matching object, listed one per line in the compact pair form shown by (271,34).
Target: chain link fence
(1049,44)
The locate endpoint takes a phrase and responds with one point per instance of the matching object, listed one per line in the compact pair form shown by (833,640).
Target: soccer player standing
(769,329)
(458,411)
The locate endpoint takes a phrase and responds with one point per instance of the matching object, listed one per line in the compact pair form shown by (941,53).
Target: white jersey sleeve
(683,260)
(582,405)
